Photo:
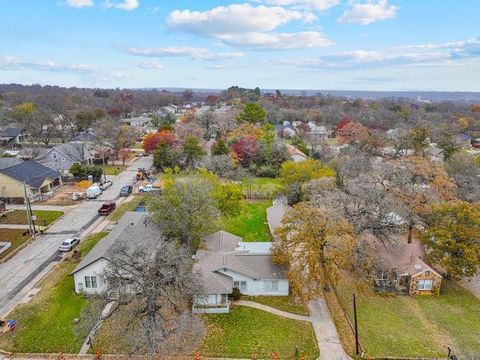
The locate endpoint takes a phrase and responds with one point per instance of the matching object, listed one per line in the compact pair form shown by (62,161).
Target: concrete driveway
(18,273)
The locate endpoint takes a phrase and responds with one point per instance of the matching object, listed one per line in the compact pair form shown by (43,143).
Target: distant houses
(12,136)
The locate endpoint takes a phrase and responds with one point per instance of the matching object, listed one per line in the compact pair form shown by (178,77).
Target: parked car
(69,244)
(106,184)
(93,192)
(107,208)
(148,188)
(126,190)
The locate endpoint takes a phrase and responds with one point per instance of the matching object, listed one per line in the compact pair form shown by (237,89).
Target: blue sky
(288,44)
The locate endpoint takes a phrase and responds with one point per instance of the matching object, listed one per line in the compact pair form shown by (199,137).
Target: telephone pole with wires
(28,209)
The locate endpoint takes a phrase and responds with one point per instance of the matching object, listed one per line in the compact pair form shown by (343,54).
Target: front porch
(211,304)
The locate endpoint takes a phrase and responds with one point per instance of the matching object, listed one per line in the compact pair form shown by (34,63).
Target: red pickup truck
(107,208)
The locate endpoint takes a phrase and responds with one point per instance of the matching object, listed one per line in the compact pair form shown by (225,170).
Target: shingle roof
(275,215)
(75,151)
(31,172)
(221,241)
(210,264)
(6,162)
(10,132)
(132,225)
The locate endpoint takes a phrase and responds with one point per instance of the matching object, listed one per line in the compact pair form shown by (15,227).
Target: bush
(81,171)
(236,294)
(267,171)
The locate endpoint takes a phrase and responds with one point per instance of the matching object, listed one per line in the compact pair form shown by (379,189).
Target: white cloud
(193,53)
(11,63)
(122,4)
(149,65)
(313,5)
(248,26)
(234,19)
(368,12)
(79,3)
(451,54)
(278,41)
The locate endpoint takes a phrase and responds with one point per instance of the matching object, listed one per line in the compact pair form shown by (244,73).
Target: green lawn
(286,303)
(15,237)
(20,217)
(112,169)
(261,188)
(127,206)
(45,325)
(251,224)
(246,331)
(416,326)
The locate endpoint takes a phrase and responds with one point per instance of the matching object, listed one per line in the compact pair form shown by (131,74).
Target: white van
(93,192)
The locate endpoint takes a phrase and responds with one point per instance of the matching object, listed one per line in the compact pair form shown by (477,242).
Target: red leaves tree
(352,132)
(343,121)
(151,141)
(245,150)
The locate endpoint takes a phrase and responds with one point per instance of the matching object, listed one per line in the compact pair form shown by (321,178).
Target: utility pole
(27,209)
(357,345)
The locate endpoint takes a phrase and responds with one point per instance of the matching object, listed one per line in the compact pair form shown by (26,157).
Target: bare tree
(155,279)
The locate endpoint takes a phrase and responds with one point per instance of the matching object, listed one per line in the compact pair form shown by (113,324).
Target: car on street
(107,208)
(93,192)
(126,190)
(105,184)
(69,244)
(149,188)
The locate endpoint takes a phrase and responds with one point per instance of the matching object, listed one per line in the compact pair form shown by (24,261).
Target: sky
(401,45)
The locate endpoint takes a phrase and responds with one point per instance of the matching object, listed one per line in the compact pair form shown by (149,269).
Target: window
(425,284)
(90,282)
(54,154)
(242,285)
(270,285)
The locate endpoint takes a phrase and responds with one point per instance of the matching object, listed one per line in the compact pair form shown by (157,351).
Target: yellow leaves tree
(304,171)
(315,245)
(419,183)
(452,238)
(246,129)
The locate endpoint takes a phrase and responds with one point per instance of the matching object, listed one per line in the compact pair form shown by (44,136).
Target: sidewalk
(41,207)
(328,340)
(274,311)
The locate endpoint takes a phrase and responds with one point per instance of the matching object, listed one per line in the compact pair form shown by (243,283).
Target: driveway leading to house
(325,331)
(17,272)
(473,285)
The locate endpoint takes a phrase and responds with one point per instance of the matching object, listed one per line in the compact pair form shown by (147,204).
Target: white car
(106,184)
(69,244)
(146,188)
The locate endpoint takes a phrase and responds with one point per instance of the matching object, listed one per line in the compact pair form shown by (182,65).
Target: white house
(89,274)
(296,154)
(225,263)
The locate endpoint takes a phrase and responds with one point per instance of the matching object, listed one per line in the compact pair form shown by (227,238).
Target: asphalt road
(20,270)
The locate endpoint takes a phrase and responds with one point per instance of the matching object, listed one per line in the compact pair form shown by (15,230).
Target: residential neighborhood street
(17,272)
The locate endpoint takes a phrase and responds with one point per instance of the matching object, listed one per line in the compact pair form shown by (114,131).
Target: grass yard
(15,237)
(261,187)
(415,326)
(20,217)
(286,303)
(251,224)
(246,331)
(127,206)
(112,169)
(45,325)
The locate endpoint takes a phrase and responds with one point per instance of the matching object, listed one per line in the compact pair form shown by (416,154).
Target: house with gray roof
(63,156)
(12,136)
(6,162)
(225,262)
(275,214)
(30,176)
(132,228)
